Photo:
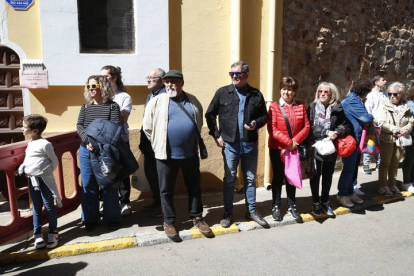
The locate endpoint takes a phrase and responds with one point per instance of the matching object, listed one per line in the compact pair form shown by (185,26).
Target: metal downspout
(270,86)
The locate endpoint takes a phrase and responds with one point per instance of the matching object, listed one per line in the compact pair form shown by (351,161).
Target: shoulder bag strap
(191,118)
(286,121)
(392,115)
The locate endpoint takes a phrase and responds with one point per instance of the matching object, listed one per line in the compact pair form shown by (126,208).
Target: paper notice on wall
(34,78)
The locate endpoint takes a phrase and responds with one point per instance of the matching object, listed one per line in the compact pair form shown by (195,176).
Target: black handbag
(201,146)
(302,147)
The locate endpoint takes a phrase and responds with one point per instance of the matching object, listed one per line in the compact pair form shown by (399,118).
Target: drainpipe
(236,56)
(235,30)
(270,86)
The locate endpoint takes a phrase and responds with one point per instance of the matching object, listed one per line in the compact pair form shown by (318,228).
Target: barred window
(106,26)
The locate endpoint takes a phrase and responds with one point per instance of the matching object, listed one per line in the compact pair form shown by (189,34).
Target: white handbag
(404,141)
(324,147)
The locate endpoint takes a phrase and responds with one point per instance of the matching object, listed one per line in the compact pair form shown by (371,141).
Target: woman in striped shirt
(99,104)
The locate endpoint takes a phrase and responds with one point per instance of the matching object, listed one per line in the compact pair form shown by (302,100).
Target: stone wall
(340,41)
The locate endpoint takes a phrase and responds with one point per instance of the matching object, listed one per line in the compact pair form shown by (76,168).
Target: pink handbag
(293,171)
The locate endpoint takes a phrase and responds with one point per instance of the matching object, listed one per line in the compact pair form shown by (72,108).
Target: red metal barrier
(11,156)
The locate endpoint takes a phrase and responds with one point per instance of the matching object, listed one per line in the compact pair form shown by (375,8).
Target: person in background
(156,87)
(114,76)
(242,111)
(375,99)
(280,140)
(327,120)
(396,120)
(357,115)
(99,104)
(39,163)
(408,164)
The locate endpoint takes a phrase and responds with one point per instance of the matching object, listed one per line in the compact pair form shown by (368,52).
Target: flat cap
(174,74)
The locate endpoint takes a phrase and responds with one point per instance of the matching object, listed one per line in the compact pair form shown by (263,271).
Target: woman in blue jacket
(358,116)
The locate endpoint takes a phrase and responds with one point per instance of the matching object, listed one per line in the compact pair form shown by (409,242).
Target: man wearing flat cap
(173,137)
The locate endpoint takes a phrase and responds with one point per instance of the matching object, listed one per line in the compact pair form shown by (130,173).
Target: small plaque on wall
(33,74)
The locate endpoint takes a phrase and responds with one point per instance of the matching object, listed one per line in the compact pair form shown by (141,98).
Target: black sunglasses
(393,94)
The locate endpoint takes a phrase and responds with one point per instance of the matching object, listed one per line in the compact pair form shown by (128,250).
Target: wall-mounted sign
(20,4)
(34,78)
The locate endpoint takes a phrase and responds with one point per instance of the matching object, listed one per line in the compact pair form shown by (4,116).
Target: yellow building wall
(200,33)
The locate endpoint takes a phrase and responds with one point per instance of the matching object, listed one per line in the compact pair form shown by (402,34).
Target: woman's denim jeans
(346,180)
(90,194)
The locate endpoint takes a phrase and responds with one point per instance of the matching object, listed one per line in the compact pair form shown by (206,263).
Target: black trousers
(150,169)
(326,170)
(167,174)
(278,176)
(125,189)
(408,165)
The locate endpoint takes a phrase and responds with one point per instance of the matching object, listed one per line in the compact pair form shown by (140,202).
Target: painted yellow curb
(216,231)
(342,211)
(68,250)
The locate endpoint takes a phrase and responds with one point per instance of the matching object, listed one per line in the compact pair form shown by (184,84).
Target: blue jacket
(411,105)
(356,114)
(112,161)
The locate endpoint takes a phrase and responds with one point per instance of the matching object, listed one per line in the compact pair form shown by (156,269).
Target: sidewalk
(140,229)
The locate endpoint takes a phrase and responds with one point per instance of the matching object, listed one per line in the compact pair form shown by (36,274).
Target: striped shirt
(109,111)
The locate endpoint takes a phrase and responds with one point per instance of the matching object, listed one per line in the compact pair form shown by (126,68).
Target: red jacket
(276,126)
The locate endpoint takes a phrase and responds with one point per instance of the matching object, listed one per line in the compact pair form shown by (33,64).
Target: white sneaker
(125,210)
(411,189)
(358,191)
(39,242)
(52,240)
(405,187)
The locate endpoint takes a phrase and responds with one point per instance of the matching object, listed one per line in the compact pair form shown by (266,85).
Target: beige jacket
(155,122)
(404,119)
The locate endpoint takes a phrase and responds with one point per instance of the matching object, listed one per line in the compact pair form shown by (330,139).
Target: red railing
(11,156)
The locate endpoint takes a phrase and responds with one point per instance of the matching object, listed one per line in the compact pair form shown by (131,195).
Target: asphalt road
(375,242)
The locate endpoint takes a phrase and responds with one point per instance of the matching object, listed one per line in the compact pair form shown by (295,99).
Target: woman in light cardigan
(395,120)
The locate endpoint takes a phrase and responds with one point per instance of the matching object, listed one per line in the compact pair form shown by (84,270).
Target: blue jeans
(90,194)
(43,196)
(346,180)
(232,153)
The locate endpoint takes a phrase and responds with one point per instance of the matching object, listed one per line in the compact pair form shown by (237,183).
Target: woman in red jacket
(279,140)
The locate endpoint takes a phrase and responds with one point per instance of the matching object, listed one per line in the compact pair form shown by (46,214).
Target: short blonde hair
(335,98)
(106,90)
(397,87)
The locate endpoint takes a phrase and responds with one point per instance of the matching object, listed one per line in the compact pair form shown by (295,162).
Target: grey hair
(160,73)
(244,66)
(398,87)
(335,98)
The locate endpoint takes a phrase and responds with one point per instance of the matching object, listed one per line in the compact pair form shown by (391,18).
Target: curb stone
(154,239)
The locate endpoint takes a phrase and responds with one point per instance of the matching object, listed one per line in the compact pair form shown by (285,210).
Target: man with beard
(173,137)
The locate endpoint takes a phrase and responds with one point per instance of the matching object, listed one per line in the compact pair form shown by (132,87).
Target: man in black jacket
(242,111)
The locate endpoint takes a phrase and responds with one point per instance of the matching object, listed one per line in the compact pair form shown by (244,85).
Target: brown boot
(170,230)
(202,225)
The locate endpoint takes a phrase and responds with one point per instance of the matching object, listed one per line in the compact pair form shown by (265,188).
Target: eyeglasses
(393,94)
(92,86)
(237,74)
(152,78)
(323,91)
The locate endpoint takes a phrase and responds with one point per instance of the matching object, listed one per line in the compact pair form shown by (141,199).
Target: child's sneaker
(52,240)
(39,242)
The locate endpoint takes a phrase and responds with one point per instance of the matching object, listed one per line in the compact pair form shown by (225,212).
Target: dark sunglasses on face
(323,91)
(393,94)
(92,86)
(237,74)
